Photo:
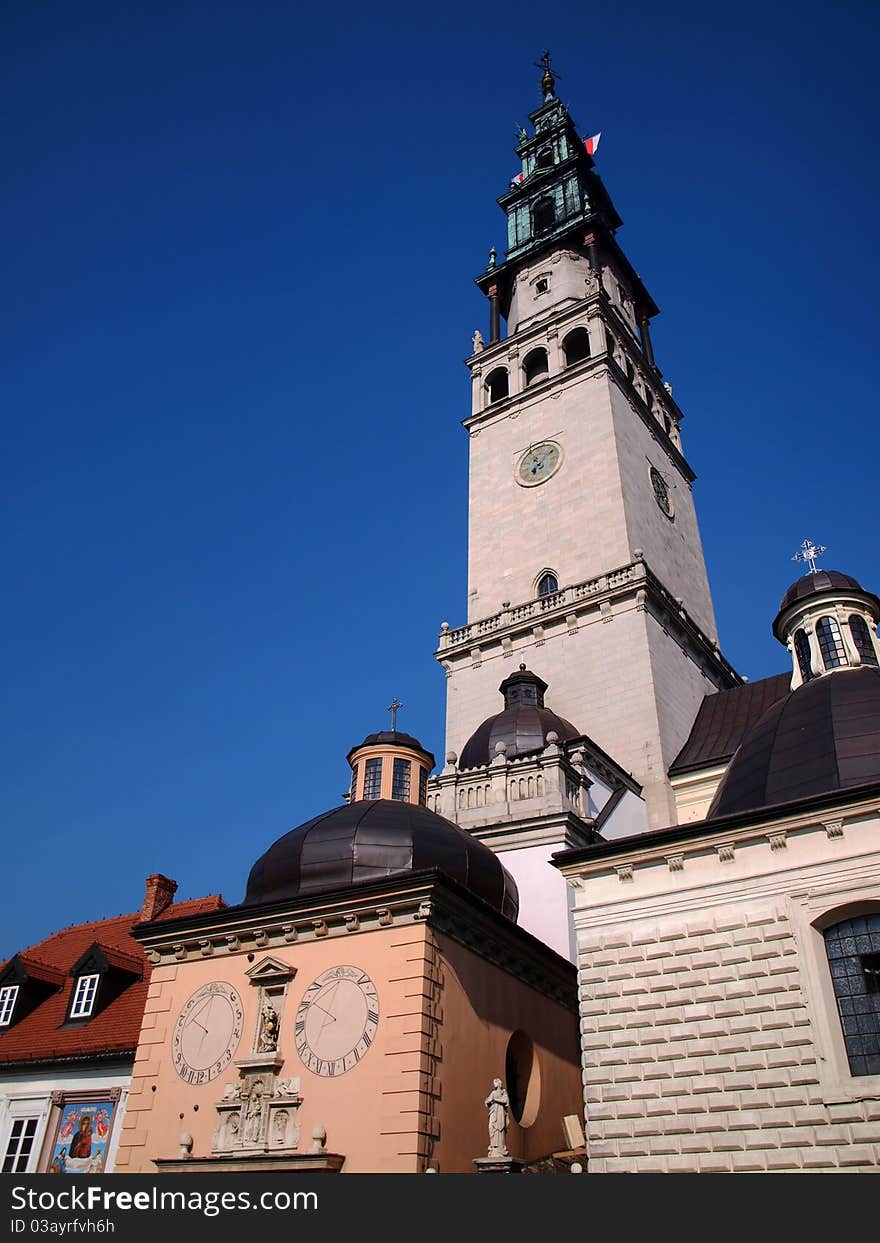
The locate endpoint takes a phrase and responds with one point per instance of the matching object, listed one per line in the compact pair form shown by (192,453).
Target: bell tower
(584,554)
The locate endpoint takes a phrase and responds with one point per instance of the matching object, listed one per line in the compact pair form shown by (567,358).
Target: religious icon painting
(82,1137)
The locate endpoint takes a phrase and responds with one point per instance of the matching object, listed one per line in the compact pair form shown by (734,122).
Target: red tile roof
(41,1035)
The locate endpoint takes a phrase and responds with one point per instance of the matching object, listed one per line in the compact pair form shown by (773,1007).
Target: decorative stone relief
(778,841)
(624,872)
(725,852)
(834,828)
(259,1114)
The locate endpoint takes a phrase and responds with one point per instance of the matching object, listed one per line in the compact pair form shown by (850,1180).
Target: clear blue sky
(240,242)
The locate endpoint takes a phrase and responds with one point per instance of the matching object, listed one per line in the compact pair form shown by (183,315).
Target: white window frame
(8,998)
(84,995)
(21,1110)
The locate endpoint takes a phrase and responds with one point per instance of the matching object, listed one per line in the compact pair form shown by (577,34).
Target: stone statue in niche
(253,1114)
(497,1103)
(269,1024)
(279,1126)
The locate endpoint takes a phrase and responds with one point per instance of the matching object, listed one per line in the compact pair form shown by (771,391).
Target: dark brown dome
(371,839)
(822,737)
(823,582)
(523,726)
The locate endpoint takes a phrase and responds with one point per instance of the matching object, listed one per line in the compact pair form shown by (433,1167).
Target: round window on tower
(662,494)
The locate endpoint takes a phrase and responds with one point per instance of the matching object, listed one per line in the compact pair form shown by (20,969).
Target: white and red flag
(518,179)
(592,143)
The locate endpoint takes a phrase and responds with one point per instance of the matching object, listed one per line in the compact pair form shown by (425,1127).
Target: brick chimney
(159,895)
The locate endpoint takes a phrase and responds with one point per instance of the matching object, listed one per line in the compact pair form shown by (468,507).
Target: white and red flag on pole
(592,143)
(518,179)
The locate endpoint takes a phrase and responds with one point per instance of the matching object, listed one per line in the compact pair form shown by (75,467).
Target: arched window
(802,651)
(576,346)
(497,384)
(548,584)
(858,628)
(543,216)
(853,948)
(831,643)
(535,366)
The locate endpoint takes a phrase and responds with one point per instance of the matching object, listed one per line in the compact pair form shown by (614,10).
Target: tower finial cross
(808,554)
(549,76)
(393,708)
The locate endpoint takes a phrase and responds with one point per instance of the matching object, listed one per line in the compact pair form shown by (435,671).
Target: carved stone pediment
(270,971)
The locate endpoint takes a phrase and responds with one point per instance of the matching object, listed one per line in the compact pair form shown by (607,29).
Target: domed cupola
(825,735)
(523,726)
(828,622)
(384,830)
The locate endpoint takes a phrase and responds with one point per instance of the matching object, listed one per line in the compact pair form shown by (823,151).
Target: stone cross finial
(393,708)
(808,554)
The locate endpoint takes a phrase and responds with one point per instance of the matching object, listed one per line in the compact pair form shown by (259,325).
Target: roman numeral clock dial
(207,1033)
(337,1021)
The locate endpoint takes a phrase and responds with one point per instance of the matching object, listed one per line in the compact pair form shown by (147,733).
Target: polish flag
(592,143)
(518,179)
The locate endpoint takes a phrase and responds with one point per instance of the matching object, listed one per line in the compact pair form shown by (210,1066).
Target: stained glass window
(400,780)
(802,651)
(858,628)
(854,959)
(373,778)
(831,643)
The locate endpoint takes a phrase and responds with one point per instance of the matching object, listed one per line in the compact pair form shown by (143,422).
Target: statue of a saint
(497,1103)
(253,1114)
(478,341)
(268,1041)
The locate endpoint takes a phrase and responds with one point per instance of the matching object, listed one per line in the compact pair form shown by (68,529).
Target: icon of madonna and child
(81,1143)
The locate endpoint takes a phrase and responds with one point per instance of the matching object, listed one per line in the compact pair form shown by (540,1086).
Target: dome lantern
(828,622)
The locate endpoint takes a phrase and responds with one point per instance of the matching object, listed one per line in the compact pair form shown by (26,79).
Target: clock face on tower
(661,492)
(207,1033)
(538,463)
(337,1021)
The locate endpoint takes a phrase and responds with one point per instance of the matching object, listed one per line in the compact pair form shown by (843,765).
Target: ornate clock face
(337,1021)
(207,1033)
(661,492)
(539,463)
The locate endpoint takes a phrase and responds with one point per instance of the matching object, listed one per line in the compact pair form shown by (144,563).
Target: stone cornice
(428,897)
(635,579)
(725,835)
(539,830)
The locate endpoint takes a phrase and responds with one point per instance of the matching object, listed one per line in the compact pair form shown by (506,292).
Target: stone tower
(584,556)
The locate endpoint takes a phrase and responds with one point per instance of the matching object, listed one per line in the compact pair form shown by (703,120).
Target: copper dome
(371,839)
(523,726)
(823,736)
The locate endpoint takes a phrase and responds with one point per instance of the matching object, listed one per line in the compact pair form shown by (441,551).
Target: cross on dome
(393,708)
(808,554)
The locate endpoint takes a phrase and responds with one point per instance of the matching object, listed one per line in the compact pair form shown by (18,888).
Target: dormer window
(84,994)
(8,996)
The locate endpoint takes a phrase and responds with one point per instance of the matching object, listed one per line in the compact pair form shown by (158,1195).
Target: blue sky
(240,243)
